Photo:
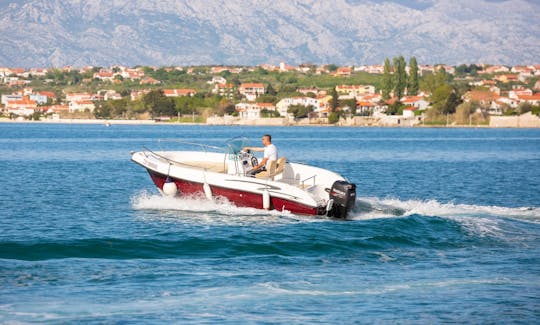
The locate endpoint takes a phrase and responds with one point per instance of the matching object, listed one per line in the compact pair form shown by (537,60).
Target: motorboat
(214,172)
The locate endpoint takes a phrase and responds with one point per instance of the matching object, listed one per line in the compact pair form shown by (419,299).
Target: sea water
(446,229)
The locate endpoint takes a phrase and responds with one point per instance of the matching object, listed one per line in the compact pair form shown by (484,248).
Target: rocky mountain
(246,32)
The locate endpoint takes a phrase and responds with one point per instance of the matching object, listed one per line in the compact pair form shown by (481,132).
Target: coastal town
(366,95)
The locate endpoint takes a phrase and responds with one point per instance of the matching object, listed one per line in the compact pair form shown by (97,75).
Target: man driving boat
(270,154)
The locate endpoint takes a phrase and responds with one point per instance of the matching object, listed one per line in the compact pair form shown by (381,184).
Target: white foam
(481,221)
(392,207)
(202,210)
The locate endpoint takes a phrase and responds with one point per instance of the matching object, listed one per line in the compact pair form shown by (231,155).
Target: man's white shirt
(270,152)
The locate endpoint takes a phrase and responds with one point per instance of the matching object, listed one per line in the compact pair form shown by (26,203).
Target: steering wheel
(254,161)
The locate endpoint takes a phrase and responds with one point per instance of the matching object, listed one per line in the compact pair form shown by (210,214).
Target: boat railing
(200,145)
(233,146)
(307,179)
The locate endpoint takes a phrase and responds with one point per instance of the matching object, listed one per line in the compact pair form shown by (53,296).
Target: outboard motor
(342,198)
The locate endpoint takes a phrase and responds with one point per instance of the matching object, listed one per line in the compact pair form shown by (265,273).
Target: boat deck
(208,165)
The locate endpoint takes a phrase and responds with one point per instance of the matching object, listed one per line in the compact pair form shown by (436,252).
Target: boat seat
(281,165)
(270,172)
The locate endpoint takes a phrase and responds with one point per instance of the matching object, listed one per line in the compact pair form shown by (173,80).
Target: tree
(102,110)
(270,90)
(158,104)
(350,103)
(333,117)
(119,107)
(334,104)
(412,84)
(464,112)
(332,67)
(445,100)
(386,84)
(434,81)
(269,113)
(400,77)
(300,111)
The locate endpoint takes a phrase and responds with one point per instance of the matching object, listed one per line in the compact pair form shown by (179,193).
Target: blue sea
(446,229)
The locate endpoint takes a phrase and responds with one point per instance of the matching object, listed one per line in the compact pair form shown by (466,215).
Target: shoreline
(152,122)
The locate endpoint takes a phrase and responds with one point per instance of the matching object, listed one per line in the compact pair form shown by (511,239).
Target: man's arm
(261,164)
(253,149)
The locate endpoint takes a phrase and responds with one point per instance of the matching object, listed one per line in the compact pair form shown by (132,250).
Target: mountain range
(47,33)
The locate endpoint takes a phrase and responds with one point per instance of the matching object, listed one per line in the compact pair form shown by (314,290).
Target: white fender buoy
(207,191)
(266,200)
(329,205)
(169,187)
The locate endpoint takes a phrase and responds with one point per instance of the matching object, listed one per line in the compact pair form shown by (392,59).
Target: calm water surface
(446,229)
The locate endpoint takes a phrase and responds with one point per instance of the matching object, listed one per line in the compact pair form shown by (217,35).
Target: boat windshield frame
(232,149)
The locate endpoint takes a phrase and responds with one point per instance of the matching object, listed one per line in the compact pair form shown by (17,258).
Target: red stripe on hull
(239,198)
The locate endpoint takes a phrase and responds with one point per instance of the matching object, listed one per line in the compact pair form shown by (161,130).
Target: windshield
(236,144)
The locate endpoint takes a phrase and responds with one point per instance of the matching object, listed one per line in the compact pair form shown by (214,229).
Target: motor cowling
(343,195)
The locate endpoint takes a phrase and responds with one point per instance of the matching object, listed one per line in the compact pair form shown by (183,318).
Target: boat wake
(366,208)
(371,207)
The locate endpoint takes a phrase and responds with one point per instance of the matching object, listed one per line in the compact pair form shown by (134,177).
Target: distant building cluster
(23,100)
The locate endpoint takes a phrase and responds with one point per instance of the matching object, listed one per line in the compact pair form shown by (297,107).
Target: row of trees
(395,79)
(156,104)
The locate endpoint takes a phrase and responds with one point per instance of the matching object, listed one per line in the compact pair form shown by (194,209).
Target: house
(251,90)
(104,75)
(22,107)
(422,69)
(283,67)
(11,97)
(375,69)
(48,94)
(70,97)
(314,90)
(283,105)
(111,95)
(179,92)
(522,69)
(355,91)
(225,90)
(343,71)
(36,72)
(39,98)
(252,111)
(149,81)
(58,108)
(449,69)
(5,72)
(495,69)
(505,78)
(132,74)
(15,82)
(409,111)
(417,102)
(81,106)
(138,94)
(216,70)
(17,71)
(217,80)
(531,99)
(484,97)
(516,92)
(268,67)
(368,107)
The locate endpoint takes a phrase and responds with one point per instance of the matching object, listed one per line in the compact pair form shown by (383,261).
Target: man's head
(266,139)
